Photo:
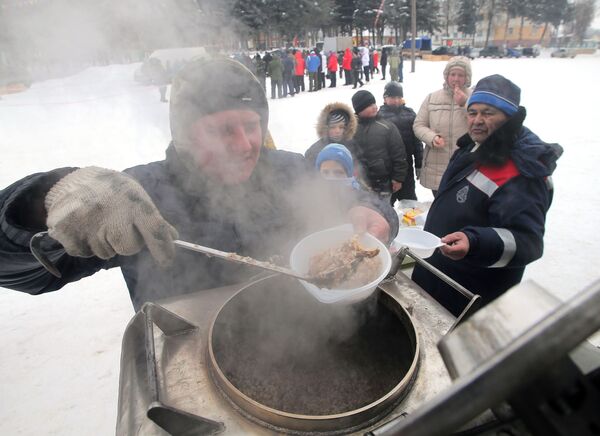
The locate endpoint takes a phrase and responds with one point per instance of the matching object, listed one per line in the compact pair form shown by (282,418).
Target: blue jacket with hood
(498,196)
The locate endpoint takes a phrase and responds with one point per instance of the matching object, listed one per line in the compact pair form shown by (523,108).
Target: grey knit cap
(459,62)
(206,86)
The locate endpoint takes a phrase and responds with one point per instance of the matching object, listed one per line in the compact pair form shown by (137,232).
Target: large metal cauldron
(289,361)
(266,358)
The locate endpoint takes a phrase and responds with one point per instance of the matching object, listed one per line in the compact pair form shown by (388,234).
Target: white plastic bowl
(320,241)
(419,241)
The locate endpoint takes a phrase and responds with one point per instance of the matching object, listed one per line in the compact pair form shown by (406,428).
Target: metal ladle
(320,279)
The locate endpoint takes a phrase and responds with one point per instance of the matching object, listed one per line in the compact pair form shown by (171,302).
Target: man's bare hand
(364,220)
(457,245)
(396,186)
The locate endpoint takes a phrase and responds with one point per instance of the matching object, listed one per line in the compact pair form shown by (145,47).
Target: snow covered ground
(60,352)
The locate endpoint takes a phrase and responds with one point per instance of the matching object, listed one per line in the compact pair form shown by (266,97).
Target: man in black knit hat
(491,207)
(379,147)
(395,110)
(217,187)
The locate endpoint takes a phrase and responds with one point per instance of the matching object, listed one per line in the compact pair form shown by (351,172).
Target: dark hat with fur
(206,86)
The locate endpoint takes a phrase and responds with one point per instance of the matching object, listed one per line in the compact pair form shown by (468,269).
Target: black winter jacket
(280,203)
(403,118)
(380,151)
(498,196)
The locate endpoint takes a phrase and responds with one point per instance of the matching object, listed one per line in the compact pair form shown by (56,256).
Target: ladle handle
(42,257)
(474,299)
(233,257)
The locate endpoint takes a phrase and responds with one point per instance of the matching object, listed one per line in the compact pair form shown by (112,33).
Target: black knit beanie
(362,100)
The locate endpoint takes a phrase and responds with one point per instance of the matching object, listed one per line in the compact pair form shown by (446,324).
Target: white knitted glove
(99,212)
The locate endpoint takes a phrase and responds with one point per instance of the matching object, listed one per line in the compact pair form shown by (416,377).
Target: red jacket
(347,61)
(375,58)
(332,63)
(299,64)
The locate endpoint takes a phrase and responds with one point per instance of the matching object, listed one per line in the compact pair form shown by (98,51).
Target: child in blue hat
(335,162)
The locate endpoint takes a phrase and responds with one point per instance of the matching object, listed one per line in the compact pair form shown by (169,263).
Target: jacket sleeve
(418,152)
(22,214)
(397,153)
(517,216)
(421,125)
(374,202)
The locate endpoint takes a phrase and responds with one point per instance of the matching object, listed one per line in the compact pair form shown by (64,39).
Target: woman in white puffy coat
(442,119)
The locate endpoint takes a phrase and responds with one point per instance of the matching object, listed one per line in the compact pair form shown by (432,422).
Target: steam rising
(57,37)
(287,351)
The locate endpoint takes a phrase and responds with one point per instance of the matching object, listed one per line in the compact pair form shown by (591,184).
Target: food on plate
(346,266)
(409,218)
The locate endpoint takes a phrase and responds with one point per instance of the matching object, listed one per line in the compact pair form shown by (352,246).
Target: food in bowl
(345,266)
(409,217)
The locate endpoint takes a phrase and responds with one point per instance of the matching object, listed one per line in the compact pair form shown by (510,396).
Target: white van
(172,60)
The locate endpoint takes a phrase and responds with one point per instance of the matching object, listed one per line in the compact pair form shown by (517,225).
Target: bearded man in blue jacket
(217,186)
(493,198)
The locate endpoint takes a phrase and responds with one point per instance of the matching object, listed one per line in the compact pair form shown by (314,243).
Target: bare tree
(584,12)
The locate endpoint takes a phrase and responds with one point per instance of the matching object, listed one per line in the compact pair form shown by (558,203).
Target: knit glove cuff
(99,212)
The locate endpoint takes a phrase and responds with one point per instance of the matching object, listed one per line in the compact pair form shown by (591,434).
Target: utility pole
(413,30)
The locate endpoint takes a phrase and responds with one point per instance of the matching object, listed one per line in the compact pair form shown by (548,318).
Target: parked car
(563,53)
(513,53)
(491,51)
(445,50)
(472,53)
(530,52)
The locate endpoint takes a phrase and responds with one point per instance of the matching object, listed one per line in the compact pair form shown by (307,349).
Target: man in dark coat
(493,198)
(159,77)
(260,70)
(379,147)
(403,117)
(217,186)
(356,68)
(275,70)
(384,61)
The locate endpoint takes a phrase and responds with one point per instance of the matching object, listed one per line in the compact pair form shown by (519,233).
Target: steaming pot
(266,358)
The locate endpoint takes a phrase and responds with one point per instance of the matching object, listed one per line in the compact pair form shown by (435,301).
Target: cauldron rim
(241,400)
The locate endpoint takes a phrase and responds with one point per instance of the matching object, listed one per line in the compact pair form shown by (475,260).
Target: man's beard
(495,150)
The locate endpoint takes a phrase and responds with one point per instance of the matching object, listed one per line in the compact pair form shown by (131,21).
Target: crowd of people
(221,187)
(287,69)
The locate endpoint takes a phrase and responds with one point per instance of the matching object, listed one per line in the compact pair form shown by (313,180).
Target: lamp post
(413,29)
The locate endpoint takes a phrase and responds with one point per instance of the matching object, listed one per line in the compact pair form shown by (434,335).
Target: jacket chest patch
(461,194)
